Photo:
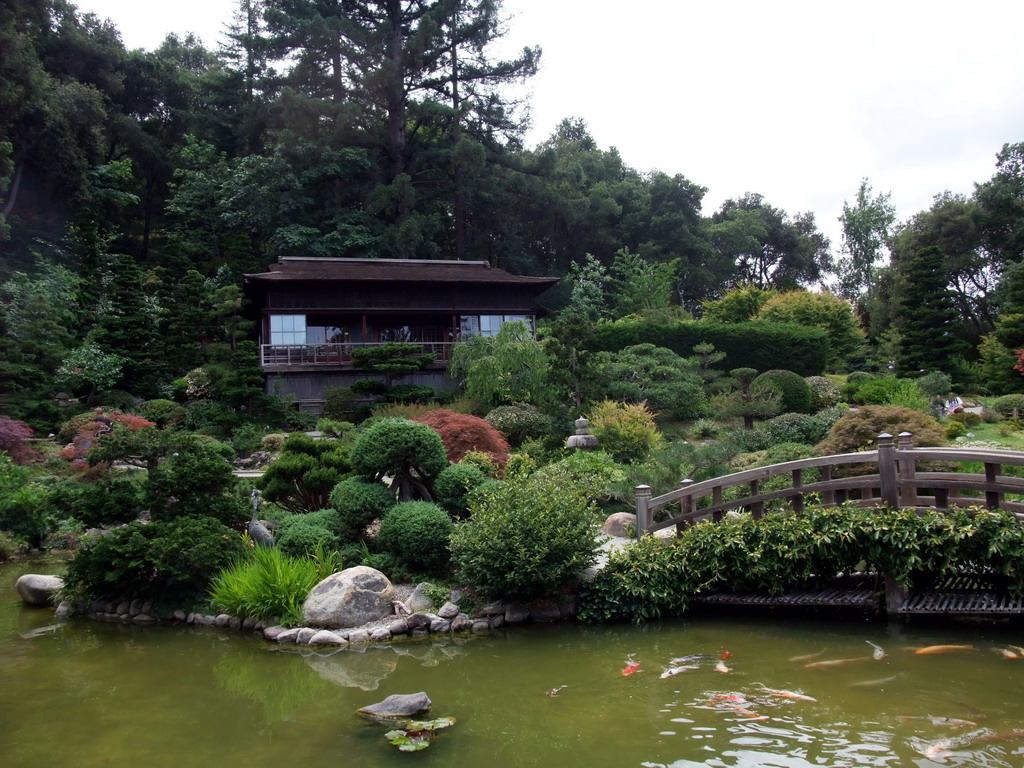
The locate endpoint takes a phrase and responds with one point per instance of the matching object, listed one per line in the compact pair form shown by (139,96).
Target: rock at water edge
(351,598)
(38,589)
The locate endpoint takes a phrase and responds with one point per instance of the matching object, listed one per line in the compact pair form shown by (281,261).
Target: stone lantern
(582,440)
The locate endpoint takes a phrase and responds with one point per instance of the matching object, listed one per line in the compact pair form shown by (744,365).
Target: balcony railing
(277,355)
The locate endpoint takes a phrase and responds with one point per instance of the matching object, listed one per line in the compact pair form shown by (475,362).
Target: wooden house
(314,311)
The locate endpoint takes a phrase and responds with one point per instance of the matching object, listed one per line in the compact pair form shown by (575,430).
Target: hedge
(759,345)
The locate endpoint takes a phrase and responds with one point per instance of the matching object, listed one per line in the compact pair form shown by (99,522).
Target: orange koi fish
(729,697)
(934,649)
(1006,653)
(786,694)
(744,712)
(631,668)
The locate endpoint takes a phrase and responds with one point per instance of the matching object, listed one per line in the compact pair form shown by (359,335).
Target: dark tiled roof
(391,270)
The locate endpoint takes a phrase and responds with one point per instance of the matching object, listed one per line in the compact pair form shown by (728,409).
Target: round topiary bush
(824,392)
(358,503)
(416,535)
(796,393)
(454,484)
(301,534)
(1007,404)
(410,452)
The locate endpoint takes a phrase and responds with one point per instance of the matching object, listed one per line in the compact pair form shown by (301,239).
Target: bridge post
(643,512)
(685,506)
(908,467)
(887,471)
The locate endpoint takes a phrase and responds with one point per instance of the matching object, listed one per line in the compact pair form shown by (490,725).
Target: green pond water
(82,693)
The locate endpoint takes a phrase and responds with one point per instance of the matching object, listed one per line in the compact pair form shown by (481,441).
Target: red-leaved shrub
(461,432)
(78,449)
(13,434)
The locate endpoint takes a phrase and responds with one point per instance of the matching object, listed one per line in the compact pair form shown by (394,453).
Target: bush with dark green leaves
(890,390)
(1007,404)
(795,392)
(670,385)
(411,453)
(212,418)
(302,478)
(113,499)
(171,561)
(454,484)
(358,503)
(195,482)
(788,428)
(416,535)
(300,534)
(525,537)
(759,345)
(166,414)
(782,551)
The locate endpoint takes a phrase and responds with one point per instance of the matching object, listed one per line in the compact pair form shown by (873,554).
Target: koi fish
(1018,649)
(673,671)
(1006,653)
(934,649)
(631,668)
(726,654)
(834,662)
(879,652)
(1003,736)
(938,749)
(720,667)
(556,691)
(729,697)
(945,722)
(873,683)
(807,656)
(786,694)
(744,712)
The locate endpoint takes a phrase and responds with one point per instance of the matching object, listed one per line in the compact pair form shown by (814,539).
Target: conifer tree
(927,318)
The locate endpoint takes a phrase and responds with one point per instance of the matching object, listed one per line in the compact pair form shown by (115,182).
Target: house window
(489,325)
(287,329)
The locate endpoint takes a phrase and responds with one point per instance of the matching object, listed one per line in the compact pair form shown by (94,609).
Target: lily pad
(429,725)
(409,741)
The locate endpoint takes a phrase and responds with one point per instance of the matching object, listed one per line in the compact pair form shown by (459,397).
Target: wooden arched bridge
(887,476)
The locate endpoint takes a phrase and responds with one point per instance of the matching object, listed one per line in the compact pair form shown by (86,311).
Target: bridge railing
(891,479)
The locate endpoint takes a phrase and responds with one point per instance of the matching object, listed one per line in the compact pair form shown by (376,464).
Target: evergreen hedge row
(759,345)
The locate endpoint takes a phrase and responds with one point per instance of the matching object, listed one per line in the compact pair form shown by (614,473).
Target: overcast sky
(794,100)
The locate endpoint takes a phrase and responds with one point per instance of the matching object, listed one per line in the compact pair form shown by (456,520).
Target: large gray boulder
(350,598)
(398,705)
(38,589)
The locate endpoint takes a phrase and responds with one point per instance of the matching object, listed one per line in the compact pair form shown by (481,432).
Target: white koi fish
(673,671)
(720,667)
(782,694)
(879,652)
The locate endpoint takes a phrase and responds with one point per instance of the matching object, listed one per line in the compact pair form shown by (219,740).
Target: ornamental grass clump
(269,584)
(525,537)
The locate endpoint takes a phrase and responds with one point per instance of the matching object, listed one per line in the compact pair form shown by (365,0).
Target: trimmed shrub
(302,534)
(211,418)
(858,430)
(410,393)
(416,534)
(246,439)
(461,433)
(589,473)
(273,442)
(358,503)
(627,432)
(410,452)
(454,484)
(24,508)
(194,483)
(519,422)
(166,414)
(112,500)
(956,429)
(759,345)
(788,428)
(824,393)
(339,403)
(170,561)
(302,478)
(525,537)
(332,428)
(484,462)
(1007,404)
(669,384)
(795,392)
